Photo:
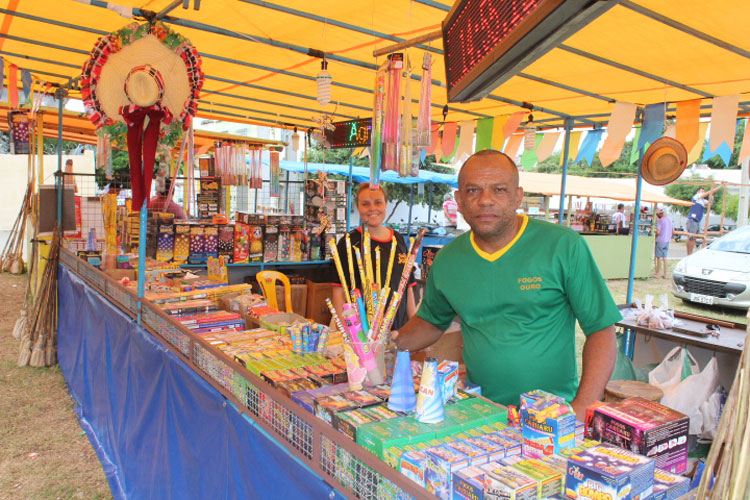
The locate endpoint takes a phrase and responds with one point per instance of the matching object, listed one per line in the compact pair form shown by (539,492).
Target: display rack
(352,470)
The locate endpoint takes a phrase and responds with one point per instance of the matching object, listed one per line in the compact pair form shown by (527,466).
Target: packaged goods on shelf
(607,470)
(547,424)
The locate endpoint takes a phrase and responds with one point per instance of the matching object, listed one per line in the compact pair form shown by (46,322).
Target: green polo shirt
(518,308)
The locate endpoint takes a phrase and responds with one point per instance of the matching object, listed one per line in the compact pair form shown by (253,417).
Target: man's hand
(416,334)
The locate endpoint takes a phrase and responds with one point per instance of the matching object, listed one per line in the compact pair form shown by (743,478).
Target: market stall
(193,360)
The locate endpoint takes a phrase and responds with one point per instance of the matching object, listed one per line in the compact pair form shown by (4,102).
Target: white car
(717,275)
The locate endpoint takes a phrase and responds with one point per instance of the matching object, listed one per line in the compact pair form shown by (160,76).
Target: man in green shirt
(518,285)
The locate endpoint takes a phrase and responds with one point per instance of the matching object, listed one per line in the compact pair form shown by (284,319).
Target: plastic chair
(267,281)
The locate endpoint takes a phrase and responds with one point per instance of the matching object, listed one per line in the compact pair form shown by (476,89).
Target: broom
(12,259)
(41,329)
(28,300)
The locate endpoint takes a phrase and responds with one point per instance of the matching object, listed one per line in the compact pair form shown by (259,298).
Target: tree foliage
(686,190)
(733,206)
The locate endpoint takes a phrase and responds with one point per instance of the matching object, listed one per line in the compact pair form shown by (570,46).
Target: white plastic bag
(688,395)
(676,366)
(660,318)
(711,413)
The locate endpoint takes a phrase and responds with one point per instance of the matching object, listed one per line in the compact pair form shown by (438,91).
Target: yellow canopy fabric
(256,55)
(594,187)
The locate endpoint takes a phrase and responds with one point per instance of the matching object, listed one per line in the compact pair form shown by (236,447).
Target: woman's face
(371,205)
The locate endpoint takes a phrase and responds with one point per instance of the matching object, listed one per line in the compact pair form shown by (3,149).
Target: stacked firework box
(548,424)
(368,316)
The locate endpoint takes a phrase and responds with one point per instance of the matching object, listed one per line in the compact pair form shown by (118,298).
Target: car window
(737,241)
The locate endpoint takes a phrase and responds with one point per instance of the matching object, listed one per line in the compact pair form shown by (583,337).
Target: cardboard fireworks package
(548,424)
(606,471)
(647,428)
(181,242)
(226,242)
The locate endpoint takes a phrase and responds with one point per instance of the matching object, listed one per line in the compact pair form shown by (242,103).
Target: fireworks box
(668,486)
(226,242)
(493,481)
(414,465)
(442,462)
(548,424)
(549,480)
(647,428)
(606,471)
(271,238)
(428,256)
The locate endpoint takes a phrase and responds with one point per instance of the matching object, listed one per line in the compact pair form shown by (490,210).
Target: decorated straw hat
(143,65)
(664,161)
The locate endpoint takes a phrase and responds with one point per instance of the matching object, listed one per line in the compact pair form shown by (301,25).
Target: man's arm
(416,334)
(599,355)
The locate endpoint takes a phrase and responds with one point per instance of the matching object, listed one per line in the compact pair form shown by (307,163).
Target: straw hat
(141,64)
(664,161)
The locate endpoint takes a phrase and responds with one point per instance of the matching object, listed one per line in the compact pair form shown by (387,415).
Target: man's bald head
(489,158)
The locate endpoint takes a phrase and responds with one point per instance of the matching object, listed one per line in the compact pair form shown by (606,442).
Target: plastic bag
(678,365)
(683,393)
(711,411)
(660,318)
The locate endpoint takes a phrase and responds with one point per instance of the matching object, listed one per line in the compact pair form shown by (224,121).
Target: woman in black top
(372,207)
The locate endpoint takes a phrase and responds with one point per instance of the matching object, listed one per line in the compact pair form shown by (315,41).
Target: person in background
(450,210)
(618,220)
(519,285)
(700,200)
(664,228)
(69,179)
(160,203)
(372,205)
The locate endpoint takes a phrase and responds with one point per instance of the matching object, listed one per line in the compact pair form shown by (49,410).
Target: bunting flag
(465,140)
(434,147)
(722,151)
(653,125)
(688,118)
(449,158)
(26,81)
(449,138)
(511,148)
(575,139)
(2,72)
(723,122)
(546,145)
(513,122)
(13,86)
(484,133)
(695,153)
(530,157)
(634,152)
(745,148)
(620,125)
(589,146)
(498,132)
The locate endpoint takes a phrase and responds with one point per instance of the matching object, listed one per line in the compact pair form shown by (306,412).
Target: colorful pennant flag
(435,140)
(723,123)
(688,119)
(513,122)
(449,158)
(546,145)
(589,146)
(634,151)
(670,131)
(695,153)
(745,148)
(449,138)
(618,128)
(26,81)
(484,133)
(498,132)
(511,148)
(465,140)
(530,157)
(653,125)
(575,139)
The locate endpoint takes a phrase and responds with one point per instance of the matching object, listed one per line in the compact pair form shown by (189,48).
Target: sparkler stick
(378,278)
(350,258)
(335,316)
(391,258)
(339,269)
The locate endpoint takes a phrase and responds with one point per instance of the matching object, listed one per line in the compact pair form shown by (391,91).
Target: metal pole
(60,94)
(629,346)
(429,204)
(286,192)
(566,151)
(349,193)
(411,206)
(744,193)
(142,256)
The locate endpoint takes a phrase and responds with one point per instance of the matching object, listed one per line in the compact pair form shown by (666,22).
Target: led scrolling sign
(350,133)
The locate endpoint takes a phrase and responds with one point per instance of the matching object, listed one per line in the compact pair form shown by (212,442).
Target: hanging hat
(664,161)
(142,65)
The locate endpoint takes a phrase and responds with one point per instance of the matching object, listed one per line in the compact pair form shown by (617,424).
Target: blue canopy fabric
(160,430)
(362,174)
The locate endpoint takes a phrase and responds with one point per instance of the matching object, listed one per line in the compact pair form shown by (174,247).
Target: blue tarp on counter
(159,429)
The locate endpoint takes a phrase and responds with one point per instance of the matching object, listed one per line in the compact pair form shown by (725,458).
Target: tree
(733,206)
(686,190)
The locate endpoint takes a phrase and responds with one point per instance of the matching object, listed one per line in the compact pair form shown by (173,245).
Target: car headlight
(680,269)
